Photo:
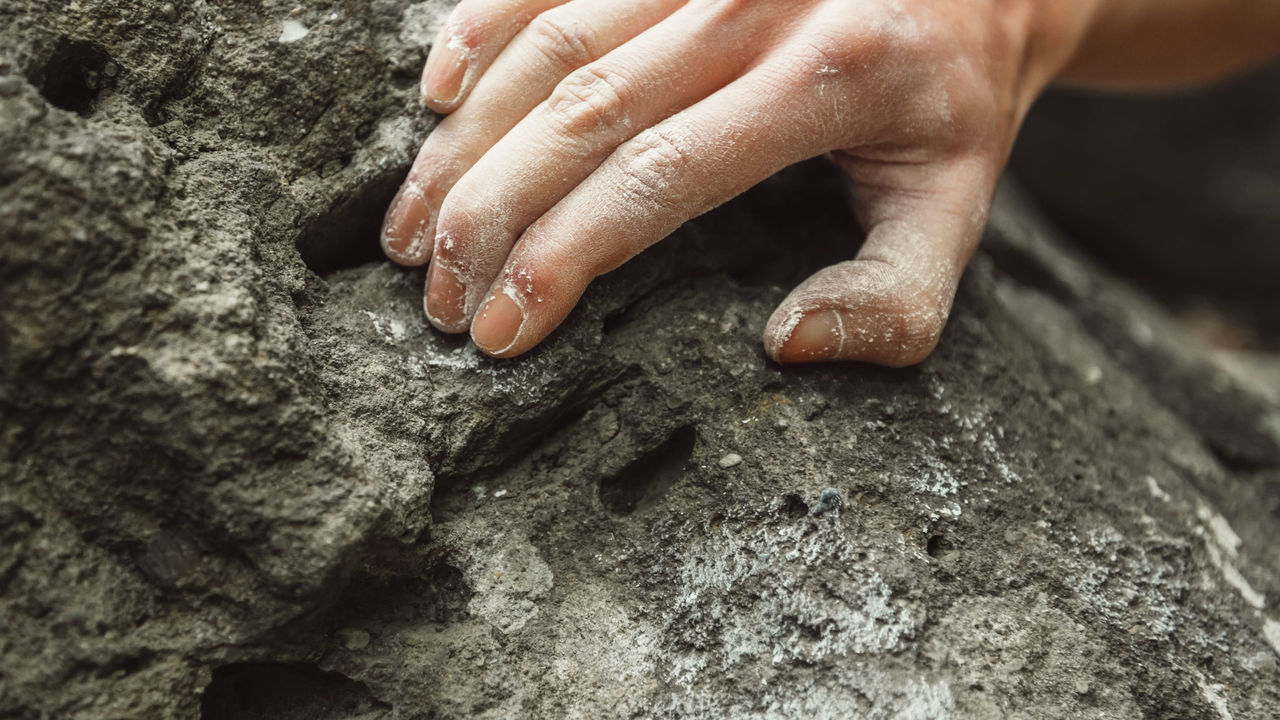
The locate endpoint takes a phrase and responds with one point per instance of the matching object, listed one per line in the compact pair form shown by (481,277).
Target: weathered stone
(242,477)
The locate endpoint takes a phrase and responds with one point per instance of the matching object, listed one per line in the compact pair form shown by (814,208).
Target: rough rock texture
(241,477)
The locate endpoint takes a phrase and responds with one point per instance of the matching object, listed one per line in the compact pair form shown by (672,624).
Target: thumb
(888,305)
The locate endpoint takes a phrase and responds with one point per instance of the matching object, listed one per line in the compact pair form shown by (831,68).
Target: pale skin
(580,132)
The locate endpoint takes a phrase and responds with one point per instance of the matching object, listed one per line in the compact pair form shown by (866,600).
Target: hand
(582,132)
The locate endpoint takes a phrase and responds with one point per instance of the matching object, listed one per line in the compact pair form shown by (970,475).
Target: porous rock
(240,476)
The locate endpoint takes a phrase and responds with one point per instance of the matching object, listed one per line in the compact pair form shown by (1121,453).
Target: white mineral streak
(1220,540)
(1226,538)
(1157,491)
(391,329)
(1214,694)
(1271,631)
(1238,581)
(292,31)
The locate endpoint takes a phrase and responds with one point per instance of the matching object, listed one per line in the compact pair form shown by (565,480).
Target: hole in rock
(75,76)
(937,546)
(346,235)
(278,691)
(439,595)
(647,478)
(794,507)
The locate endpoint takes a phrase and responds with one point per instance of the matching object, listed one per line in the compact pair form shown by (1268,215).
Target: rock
(730,460)
(353,638)
(828,501)
(232,451)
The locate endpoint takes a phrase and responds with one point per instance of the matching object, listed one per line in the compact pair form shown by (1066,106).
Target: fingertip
(406,228)
(805,337)
(446,72)
(497,326)
(444,300)
(882,328)
(437,106)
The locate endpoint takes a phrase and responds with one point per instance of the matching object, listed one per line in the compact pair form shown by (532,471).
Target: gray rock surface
(241,477)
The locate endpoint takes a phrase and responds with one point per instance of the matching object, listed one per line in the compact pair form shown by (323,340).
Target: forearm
(1170,43)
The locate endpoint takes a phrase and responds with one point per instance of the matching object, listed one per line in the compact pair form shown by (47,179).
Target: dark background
(1179,191)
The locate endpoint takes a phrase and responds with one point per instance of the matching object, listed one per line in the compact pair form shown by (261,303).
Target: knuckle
(655,157)
(531,280)
(824,53)
(429,180)
(862,46)
(455,229)
(726,10)
(589,100)
(562,38)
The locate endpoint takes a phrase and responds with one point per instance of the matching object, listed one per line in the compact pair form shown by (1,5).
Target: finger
(473,36)
(563,140)
(554,44)
(889,305)
(664,176)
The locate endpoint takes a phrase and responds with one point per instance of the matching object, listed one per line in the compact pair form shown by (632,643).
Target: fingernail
(497,324)
(433,59)
(818,336)
(406,230)
(446,67)
(446,298)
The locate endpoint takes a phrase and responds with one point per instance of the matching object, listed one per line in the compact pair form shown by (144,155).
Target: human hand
(582,132)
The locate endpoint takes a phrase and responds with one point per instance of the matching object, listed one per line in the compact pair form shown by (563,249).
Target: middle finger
(689,55)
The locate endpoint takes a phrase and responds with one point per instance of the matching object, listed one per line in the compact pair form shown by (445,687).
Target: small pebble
(292,31)
(500,493)
(10,85)
(828,501)
(353,638)
(730,460)
(607,426)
